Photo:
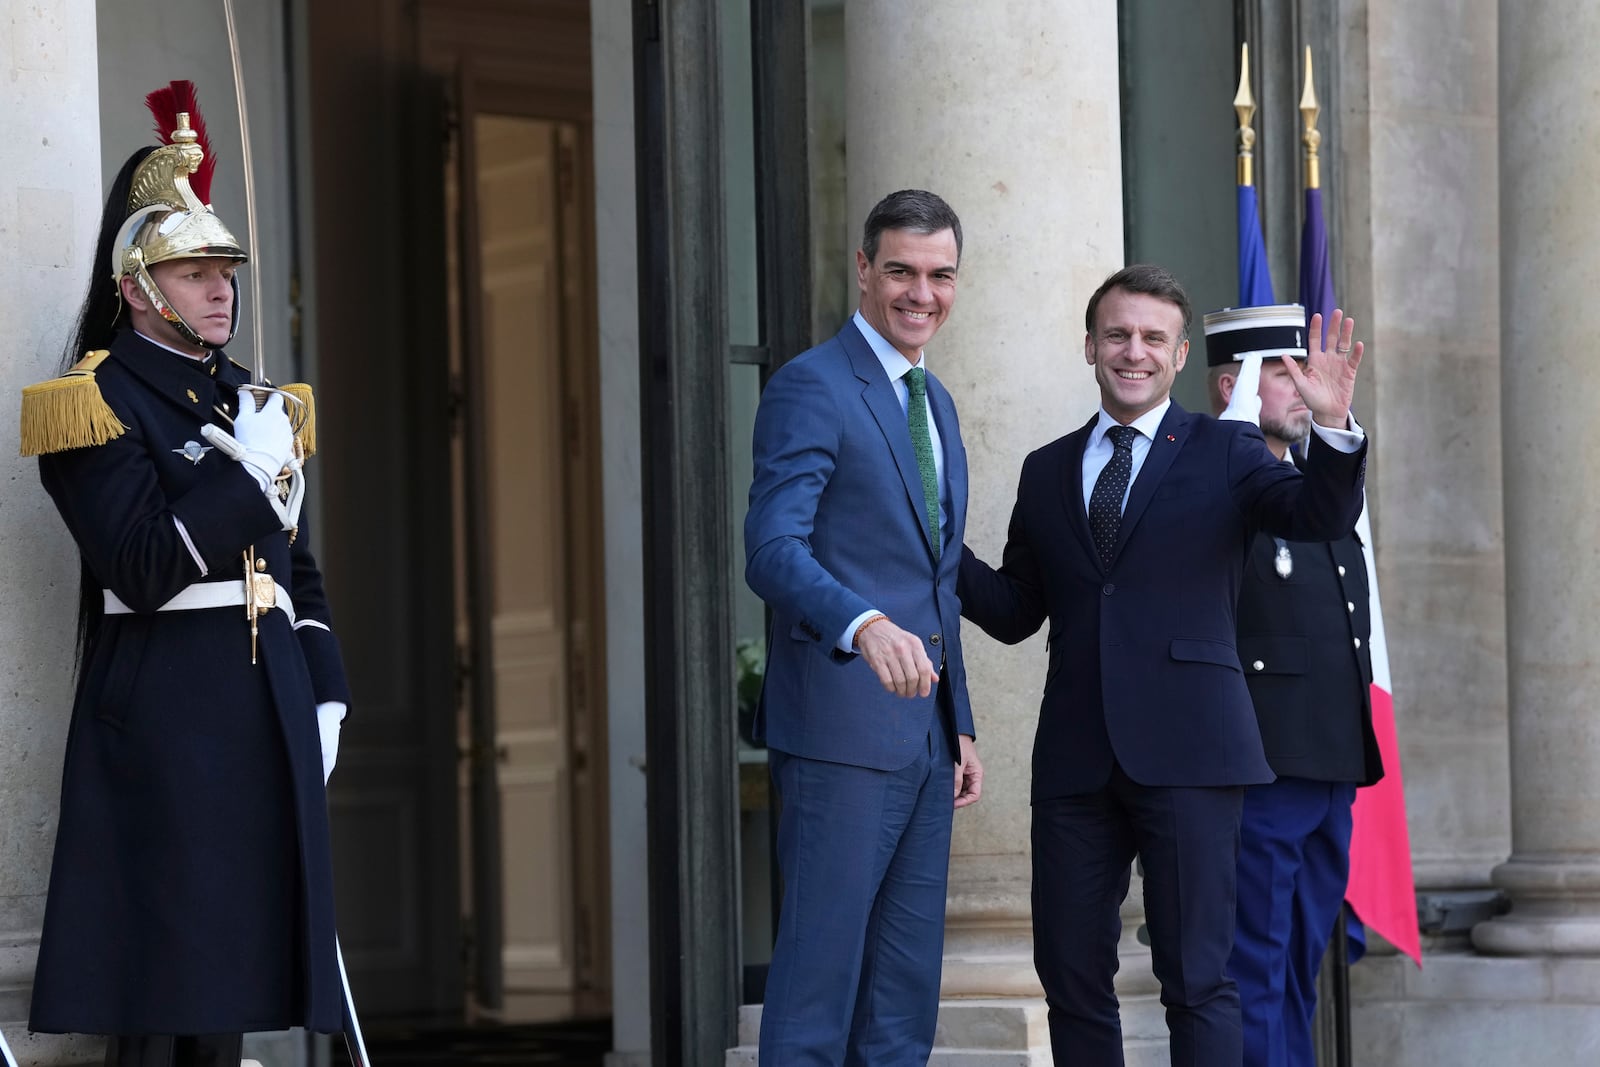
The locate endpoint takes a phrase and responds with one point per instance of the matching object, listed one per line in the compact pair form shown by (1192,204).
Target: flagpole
(1244,106)
(1312,142)
(1311,139)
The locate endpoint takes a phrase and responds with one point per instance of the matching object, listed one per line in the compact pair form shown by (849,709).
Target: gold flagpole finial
(1311,138)
(1244,106)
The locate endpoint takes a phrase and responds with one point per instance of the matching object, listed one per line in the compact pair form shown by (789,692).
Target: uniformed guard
(191,893)
(1303,629)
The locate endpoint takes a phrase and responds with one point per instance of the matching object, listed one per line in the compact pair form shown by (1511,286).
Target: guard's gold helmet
(168,214)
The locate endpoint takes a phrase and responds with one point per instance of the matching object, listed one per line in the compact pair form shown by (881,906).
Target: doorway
(527,613)
(451,289)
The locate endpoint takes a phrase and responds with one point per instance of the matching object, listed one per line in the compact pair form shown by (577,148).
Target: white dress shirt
(1097,453)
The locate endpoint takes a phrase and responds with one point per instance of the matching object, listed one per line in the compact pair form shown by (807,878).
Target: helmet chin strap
(164,308)
(158,300)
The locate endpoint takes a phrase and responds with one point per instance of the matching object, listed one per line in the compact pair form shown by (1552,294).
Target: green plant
(750,661)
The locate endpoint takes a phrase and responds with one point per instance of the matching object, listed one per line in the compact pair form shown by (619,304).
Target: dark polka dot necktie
(1105,503)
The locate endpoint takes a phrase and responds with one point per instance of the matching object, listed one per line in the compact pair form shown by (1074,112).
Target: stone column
(1009,110)
(1418,189)
(1549,156)
(49,211)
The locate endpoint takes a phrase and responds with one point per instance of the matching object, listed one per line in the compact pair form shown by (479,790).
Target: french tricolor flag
(1382,891)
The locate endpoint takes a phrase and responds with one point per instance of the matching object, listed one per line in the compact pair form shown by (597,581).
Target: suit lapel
(1170,437)
(878,393)
(1072,485)
(955,457)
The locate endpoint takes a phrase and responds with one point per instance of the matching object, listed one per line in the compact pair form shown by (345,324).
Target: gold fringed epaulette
(68,412)
(307,432)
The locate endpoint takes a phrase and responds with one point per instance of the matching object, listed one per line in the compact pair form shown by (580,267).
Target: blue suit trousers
(865,856)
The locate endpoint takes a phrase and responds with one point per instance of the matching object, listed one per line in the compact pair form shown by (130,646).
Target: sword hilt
(293,406)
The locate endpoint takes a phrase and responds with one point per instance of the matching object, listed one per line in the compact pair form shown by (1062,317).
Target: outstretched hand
(1328,382)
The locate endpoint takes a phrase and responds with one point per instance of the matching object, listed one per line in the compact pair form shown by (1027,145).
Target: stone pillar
(1417,188)
(1009,110)
(49,212)
(1549,155)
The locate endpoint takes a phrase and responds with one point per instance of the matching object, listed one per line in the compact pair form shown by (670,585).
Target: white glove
(1245,404)
(267,439)
(329,715)
(288,510)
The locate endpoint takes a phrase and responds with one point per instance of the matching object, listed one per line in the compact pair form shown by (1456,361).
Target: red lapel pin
(1171,438)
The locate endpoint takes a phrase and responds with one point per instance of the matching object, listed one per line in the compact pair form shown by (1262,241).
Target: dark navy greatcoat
(191,890)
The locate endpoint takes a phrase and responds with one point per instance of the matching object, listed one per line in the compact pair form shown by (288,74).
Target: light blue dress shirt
(895,366)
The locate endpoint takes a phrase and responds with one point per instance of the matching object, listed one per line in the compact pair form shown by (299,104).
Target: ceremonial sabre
(355,1043)
(295,403)
(5,1050)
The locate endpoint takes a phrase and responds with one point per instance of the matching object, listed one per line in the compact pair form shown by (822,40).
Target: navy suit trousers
(1083,850)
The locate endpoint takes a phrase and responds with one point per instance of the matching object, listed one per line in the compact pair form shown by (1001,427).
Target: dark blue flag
(1255,283)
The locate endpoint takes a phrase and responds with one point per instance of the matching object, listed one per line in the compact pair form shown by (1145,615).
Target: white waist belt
(202,595)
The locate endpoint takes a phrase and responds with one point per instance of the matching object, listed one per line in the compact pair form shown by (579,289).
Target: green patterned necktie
(917,419)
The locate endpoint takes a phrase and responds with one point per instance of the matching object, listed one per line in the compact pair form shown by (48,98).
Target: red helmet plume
(165,104)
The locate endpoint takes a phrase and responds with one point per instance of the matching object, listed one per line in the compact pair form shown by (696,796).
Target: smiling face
(1136,349)
(907,292)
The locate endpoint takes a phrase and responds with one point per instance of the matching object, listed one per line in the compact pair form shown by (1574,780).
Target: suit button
(1350,606)
(1258,666)
(1341,570)
(1108,588)
(933,639)
(1358,642)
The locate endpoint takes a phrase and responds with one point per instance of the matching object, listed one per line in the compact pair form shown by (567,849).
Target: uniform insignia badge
(192,398)
(1283,561)
(193,451)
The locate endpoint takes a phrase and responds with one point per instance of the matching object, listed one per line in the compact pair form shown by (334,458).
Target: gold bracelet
(855,642)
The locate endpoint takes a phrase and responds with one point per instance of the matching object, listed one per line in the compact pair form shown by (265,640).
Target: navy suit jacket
(1142,662)
(837,526)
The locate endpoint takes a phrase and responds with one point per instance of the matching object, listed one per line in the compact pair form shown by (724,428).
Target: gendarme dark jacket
(1304,645)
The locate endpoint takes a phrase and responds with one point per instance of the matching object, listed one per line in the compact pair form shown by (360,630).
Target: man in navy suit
(1130,535)
(853,537)
(1304,635)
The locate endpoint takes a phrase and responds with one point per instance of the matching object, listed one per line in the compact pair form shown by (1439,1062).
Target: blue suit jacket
(1143,667)
(836,526)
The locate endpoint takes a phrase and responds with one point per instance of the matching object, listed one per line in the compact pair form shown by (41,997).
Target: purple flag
(1316,277)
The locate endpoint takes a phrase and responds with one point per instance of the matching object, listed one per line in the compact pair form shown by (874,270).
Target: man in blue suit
(1130,535)
(856,516)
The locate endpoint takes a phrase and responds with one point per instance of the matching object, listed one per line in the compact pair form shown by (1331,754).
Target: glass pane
(749,631)
(834,236)
(1180,70)
(739,175)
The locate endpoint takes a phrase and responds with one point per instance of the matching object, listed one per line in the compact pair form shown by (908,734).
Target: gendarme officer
(1303,632)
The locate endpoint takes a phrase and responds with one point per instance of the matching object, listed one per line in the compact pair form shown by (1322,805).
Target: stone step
(999,1033)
